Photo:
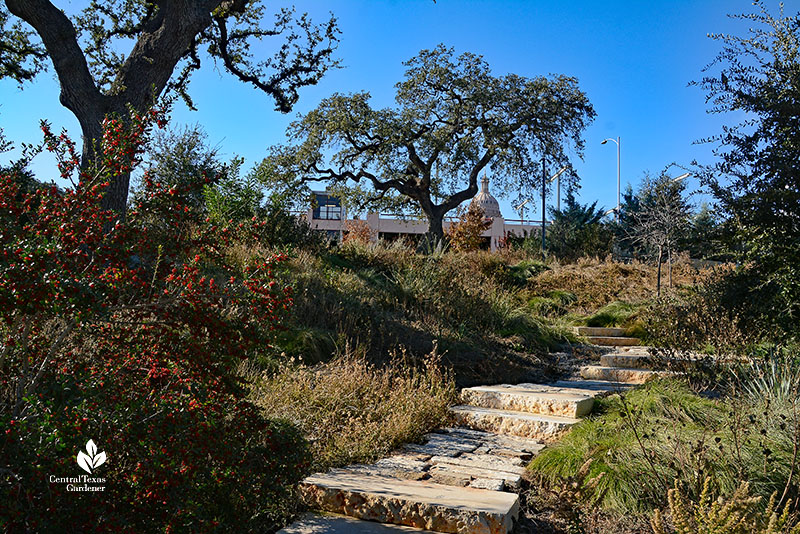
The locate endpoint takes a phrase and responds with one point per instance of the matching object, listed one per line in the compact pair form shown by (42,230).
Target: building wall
(390,225)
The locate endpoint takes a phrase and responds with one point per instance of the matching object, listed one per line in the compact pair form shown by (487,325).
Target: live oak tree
(165,38)
(453,119)
(756,180)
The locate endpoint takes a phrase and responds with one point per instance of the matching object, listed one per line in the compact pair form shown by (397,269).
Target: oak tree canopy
(453,119)
(166,40)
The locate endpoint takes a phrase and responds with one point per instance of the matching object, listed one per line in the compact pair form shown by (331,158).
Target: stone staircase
(608,337)
(464,479)
(630,363)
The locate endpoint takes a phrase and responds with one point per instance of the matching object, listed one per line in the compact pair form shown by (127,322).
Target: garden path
(465,479)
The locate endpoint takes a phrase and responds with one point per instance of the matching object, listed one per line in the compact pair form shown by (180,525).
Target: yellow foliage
(739,514)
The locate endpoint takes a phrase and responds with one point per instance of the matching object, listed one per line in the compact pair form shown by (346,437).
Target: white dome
(485,200)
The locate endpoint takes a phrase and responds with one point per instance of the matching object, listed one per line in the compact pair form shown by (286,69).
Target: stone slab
(641,349)
(612,341)
(481,461)
(546,428)
(511,481)
(394,466)
(563,386)
(412,503)
(620,374)
(437,444)
(630,361)
(487,484)
(449,478)
(598,386)
(509,453)
(646,361)
(599,331)
(339,524)
(491,440)
(535,399)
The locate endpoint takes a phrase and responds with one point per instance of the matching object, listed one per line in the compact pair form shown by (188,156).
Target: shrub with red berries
(128,332)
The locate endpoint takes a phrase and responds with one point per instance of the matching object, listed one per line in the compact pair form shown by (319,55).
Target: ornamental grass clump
(741,513)
(352,411)
(644,440)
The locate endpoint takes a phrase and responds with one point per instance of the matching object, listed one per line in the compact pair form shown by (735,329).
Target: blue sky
(634,60)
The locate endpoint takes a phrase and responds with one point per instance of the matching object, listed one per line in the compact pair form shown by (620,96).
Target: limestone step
(442,444)
(531,398)
(599,331)
(597,387)
(631,361)
(497,443)
(613,341)
(455,474)
(642,350)
(649,361)
(339,524)
(412,503)
(546,428)
(620,374)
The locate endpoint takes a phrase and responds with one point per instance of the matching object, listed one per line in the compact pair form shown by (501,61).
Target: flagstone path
(466,479)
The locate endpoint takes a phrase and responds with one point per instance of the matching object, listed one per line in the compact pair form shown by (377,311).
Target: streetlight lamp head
(679,178)
(559,173)
(604,141)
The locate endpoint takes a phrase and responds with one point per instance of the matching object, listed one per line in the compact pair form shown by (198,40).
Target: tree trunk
(435,225)
(116,196)
(142,76)
(658,278)
(669,266)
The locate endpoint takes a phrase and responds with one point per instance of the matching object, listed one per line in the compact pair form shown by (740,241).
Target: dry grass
(596,282)
(352,411)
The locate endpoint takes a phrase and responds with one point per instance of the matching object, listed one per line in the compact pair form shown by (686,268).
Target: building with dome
(330,216)
(485,200)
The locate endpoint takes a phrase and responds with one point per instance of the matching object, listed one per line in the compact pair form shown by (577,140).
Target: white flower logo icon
(93,460)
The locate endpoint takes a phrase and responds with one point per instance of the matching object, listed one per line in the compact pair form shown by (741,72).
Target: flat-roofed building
(328,215)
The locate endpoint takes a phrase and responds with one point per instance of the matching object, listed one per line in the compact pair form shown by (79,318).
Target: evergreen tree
(577,230)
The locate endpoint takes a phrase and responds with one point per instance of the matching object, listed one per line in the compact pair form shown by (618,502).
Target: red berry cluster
(129,333)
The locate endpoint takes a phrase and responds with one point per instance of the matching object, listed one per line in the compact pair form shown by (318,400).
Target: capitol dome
(485,200)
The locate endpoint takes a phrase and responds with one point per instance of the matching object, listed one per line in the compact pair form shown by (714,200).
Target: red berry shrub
(129,334)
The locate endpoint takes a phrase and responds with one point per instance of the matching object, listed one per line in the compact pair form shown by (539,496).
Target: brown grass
(354,412)
(599,282)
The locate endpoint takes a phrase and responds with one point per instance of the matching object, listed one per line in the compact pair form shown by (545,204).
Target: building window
(327,207)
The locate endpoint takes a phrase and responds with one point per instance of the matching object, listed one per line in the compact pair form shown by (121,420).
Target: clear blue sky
(634,59)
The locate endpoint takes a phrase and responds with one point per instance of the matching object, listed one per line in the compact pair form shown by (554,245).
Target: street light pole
(617,141)
(544,189)
(557,176)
